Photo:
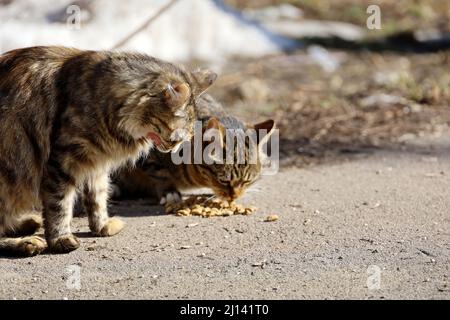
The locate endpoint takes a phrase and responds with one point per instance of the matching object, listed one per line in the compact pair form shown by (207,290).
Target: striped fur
(67,119)
(157,176)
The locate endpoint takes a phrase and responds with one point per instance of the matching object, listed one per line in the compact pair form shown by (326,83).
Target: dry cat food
(206,207)
(272,218)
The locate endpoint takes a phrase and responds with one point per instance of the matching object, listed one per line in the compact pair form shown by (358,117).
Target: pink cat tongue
(155,138)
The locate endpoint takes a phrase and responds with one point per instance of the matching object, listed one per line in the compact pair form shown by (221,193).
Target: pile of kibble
(206,207)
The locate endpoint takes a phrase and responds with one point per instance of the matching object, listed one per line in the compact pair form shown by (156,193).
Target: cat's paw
(30,246)
(113,226)
(63,244)
(171,197)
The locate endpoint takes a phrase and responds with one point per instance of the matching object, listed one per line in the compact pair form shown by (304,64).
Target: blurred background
(338,81)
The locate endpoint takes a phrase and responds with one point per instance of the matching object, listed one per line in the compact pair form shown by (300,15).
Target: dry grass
(397,15)
(322,115)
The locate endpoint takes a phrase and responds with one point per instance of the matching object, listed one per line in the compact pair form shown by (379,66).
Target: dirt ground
(381,213)
(362,195)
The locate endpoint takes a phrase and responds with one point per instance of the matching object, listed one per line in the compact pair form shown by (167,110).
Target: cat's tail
(28,245)
(24,246)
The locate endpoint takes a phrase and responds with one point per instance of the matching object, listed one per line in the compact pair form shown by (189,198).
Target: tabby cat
(67,118)
(158,177)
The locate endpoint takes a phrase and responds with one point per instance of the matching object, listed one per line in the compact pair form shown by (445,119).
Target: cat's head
(230,180)
(161,109)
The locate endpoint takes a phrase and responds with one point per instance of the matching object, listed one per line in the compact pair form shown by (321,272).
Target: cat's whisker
(210,198)
(254,190)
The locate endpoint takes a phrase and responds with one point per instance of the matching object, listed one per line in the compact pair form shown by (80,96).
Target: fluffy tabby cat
(67,118)
(157,176)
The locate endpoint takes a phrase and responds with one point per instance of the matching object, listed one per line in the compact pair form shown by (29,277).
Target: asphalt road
(374,227)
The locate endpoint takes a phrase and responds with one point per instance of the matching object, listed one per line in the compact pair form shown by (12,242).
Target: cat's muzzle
(177,137)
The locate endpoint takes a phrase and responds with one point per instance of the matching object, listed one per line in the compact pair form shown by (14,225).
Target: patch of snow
(323,58)
(316,29)
(282,11)
(191,29)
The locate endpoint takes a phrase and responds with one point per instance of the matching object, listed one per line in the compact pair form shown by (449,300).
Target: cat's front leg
(95,199)
(58,196)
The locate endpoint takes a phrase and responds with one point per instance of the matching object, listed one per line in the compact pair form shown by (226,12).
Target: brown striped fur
(67,119)
(157,176)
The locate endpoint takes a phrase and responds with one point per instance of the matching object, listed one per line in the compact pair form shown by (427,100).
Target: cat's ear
(203,80)
(214,128)
(263,131)
(214,123)
(176,95)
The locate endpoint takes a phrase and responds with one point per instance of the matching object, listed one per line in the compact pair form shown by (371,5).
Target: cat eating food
(67,119)
(157,176)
